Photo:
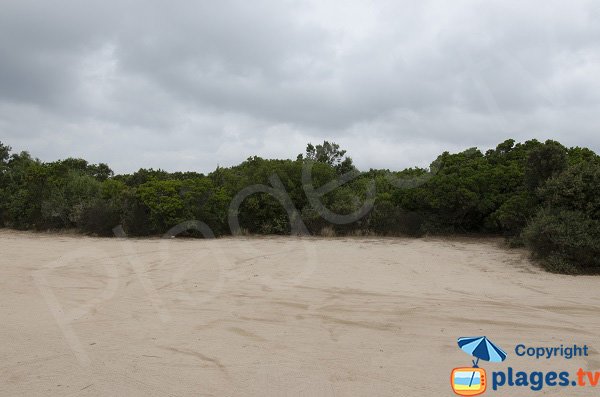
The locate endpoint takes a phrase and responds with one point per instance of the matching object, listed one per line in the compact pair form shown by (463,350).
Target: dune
(275,316)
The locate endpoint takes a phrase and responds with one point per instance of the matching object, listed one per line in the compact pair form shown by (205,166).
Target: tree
(103,213)
(565,233)
(330,154)
(67,197)
(544,162)
(4,180)
(565,241)
(4,153)
(100,171)
(542,194)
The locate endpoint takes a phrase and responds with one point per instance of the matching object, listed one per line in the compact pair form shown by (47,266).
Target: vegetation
(542,195)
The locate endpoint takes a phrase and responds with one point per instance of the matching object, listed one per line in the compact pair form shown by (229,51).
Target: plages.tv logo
(472,381)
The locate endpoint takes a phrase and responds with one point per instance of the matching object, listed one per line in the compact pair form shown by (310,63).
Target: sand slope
(274,316)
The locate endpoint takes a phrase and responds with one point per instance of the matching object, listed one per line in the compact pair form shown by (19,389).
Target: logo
(472,381)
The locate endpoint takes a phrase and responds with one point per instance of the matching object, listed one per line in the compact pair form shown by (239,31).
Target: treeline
(542,195)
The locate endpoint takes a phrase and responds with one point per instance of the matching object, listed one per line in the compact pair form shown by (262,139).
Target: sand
(281,316)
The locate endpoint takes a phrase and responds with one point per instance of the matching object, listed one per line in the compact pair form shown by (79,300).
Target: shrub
(313,220)
(578,188)
(99,218)
(564,241)
(543,162)
(67,195)
(388,219)
(514,213)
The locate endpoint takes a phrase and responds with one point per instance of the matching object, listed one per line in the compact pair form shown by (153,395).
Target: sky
(189,85)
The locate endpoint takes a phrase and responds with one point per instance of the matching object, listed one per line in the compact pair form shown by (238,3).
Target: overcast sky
(188,85)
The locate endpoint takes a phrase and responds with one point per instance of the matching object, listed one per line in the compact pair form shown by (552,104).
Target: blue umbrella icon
(482,348)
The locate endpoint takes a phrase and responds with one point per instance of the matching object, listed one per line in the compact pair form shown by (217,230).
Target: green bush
(578,188)
(136,218)
(388,219)
(544,162)
(564,241)
(67,196)
(515,212)
(551,191)
(313,220)
(99,218)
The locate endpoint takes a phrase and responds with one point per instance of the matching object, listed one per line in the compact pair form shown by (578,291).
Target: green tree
(565,233)
(577,188)
(541,193)
(565,241)
(4,180)
(544,162)
(330,154)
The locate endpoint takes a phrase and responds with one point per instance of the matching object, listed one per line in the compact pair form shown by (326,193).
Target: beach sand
(281,316)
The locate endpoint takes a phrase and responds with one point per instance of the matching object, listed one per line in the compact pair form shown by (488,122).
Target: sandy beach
(276,316)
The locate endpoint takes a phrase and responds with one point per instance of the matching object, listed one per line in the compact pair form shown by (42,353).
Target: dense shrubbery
(565,233)
(566,240)
(542,194)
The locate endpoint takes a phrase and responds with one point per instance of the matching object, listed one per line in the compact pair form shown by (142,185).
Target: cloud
(195,84)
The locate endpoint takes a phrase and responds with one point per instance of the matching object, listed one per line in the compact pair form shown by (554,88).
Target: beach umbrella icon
(481,348)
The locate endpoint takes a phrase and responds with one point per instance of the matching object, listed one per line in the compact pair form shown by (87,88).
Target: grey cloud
(191,84)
